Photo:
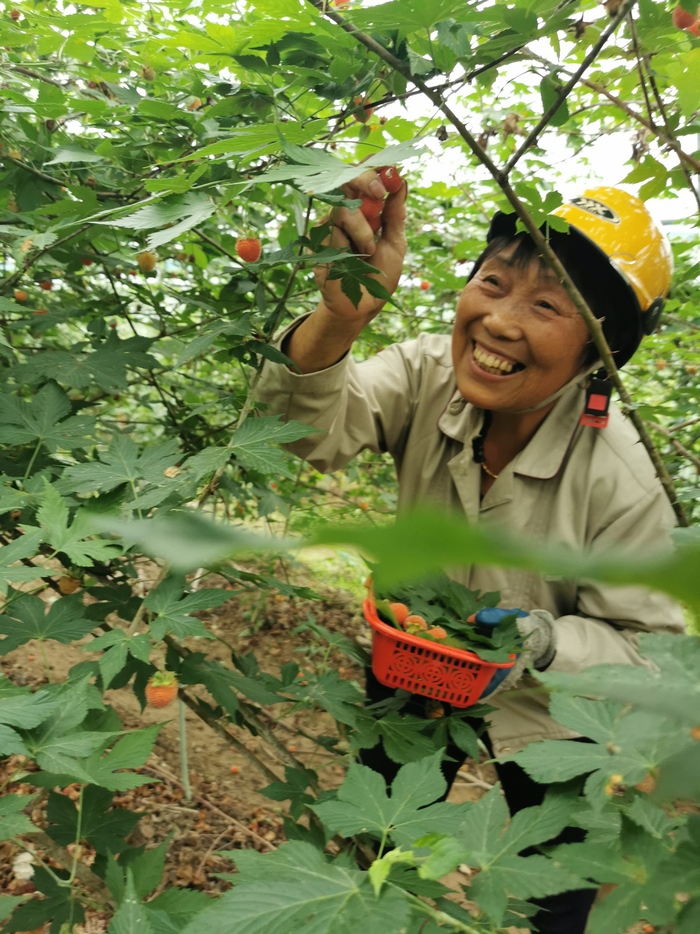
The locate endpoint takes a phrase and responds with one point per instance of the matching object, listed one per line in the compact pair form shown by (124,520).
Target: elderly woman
(506,424)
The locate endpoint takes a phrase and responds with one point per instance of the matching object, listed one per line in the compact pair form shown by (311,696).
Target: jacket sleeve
(610,618)
(358,406)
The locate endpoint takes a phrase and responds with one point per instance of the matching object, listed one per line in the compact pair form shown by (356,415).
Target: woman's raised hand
(351,229)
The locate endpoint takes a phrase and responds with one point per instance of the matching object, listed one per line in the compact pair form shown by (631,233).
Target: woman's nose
(503,317)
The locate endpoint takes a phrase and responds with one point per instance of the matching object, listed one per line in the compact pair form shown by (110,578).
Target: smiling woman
(494,424)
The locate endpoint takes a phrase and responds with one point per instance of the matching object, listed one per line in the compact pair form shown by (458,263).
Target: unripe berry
(147,261)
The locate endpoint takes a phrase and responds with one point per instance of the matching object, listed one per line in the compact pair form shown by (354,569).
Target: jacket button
(456,406)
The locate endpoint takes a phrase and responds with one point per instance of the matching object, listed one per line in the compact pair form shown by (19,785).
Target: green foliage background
(176,128)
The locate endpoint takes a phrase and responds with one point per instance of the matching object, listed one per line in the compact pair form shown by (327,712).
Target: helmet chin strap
(575,380)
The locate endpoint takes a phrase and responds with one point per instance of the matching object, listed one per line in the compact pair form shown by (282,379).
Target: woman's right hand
(351,230)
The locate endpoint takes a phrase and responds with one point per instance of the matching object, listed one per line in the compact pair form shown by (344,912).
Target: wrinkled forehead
(531,263)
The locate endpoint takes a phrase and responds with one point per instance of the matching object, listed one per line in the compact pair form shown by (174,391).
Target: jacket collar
(544,455)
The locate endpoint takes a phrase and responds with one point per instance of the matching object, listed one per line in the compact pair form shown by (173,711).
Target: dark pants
(565,913)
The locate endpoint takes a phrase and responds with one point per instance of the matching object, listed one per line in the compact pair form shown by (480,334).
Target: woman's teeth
(491,363)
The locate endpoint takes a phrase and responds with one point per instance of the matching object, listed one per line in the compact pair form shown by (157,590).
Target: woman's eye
(493,280)
(547,306)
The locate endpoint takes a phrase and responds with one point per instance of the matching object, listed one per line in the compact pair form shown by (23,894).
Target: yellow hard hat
(624,257)
(620,225)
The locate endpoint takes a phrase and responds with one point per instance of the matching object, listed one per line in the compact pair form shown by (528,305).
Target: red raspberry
(249,249)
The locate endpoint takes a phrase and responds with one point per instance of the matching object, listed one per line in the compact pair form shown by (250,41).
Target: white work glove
(539,646)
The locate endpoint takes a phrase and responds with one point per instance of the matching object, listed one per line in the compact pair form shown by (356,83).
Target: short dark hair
(605,291)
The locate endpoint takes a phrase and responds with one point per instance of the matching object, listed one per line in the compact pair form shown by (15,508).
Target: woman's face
(517,337)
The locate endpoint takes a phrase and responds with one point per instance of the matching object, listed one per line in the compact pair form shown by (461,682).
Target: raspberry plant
(136,144)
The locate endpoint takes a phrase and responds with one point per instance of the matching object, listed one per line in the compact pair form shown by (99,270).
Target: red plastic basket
(400,660)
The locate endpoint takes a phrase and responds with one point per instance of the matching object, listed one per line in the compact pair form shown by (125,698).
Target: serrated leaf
(58,905)
(122,463)
(53,517)
(309,894)
(11,742)
(253,443)
(102,828)
(27,618)
(27,710)
(362,804)
(45,419)
(172,609)
(131,915)
(129,752)
(13,822)
(178,906)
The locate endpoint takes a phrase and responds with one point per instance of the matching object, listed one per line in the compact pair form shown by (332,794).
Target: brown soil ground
(226,810)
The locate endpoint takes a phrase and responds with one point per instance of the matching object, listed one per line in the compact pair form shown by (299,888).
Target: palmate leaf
(172,608)
(27,619)
(71,538)
(105,366)
(363,806)
(46,420)
(486,840)
(121,464)
(253,443)
(103,828)
(630,744)
(310,894)
(20,549)
(13,822)
(59,904)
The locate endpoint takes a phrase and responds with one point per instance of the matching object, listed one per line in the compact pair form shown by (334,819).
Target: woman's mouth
(493,364)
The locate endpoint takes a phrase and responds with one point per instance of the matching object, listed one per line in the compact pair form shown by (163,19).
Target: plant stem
(184,768)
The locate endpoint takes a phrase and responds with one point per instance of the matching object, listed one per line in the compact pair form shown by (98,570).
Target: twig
(692,161)
(564,92)
(159,773)
(677,445)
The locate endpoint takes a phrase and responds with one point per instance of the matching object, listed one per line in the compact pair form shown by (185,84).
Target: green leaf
(27,619)
(178,906)
(53,517)
(73,154)
(59,905)
(11,742)
(131,915)
(102,828)
(549,90)
(363,806)
(45,420)
(21,708)
(130,752)
(425,541)
(186,541)
(121,464)
(22,548)
(8,903)
(252,443)
(172,609)
(309,894)
(13,822)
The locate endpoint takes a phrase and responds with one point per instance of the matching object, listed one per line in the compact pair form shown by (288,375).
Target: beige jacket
(584,487)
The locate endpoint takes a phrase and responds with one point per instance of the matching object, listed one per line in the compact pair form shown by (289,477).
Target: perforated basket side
(400,660)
